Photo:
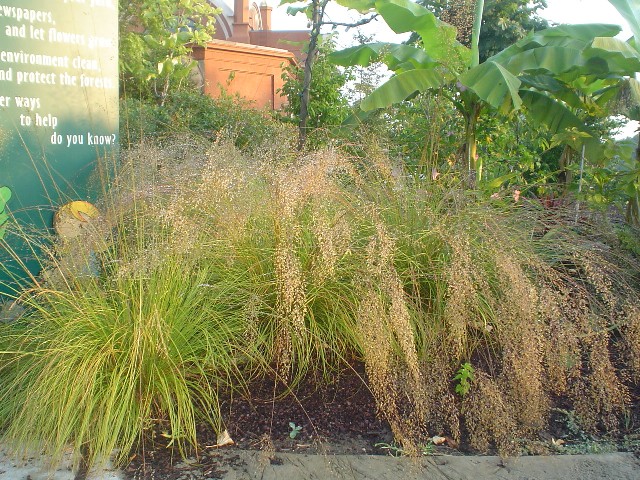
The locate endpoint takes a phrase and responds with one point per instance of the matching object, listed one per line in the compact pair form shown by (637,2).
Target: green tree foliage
(611,184)
(504,22)
(193,113)
(549,73)
(424,133)
(365,79)
(328,105)
(155,39)
(520,152)
(627,173)
(315,13)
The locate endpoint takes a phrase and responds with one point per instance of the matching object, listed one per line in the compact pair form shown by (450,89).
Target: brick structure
(247,56)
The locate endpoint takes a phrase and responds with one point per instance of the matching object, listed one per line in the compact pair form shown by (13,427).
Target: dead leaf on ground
(222,440)
(451,442)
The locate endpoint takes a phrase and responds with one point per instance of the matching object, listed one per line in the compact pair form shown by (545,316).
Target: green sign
(58,109)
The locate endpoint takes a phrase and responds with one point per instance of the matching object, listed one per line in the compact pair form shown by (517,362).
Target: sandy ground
(242,464)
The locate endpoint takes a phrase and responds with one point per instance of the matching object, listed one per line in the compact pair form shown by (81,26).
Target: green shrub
(156,39)
(629,237)
(197,114)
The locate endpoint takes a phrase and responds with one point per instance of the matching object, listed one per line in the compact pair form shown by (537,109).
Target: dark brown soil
(335,417)
(338,416)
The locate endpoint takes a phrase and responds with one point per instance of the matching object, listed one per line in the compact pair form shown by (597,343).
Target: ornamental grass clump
(209,274)
(279,237)
(145,343)
(217,269)
(96,366)
(534,312)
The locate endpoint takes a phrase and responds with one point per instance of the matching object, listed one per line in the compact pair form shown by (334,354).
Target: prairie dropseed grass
(218,268)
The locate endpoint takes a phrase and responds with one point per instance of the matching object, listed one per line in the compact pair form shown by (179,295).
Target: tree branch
(364,21)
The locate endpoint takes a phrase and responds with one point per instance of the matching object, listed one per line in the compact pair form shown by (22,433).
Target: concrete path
(235,464)
(250,465)
(31,468)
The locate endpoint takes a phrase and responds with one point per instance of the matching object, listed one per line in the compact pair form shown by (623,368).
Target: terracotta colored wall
(292,40)
(254,72)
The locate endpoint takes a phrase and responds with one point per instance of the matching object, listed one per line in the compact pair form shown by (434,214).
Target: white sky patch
(584,11)
(558,11)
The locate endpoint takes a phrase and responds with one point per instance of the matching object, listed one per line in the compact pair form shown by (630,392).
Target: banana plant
(629,88)
(5,195)
(538,73)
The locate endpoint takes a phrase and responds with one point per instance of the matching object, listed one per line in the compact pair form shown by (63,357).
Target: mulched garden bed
(338,418)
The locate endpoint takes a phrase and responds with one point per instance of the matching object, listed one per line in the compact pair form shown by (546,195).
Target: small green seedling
(464,377)
(396,450)
(392,448)
(5,195)
(295,430)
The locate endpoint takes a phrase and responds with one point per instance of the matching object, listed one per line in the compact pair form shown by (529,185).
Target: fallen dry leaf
(451,442)
(223,439)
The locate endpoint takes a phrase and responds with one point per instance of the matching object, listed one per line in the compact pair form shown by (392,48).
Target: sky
(584,11)
(557,11)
